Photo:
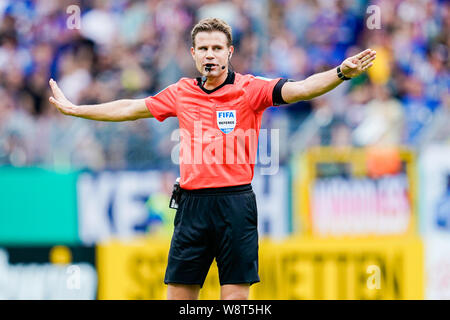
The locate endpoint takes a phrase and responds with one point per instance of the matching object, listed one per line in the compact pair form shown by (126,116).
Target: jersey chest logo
(226,120)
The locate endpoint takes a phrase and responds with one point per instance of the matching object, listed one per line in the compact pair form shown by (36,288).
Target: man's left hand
(354,66)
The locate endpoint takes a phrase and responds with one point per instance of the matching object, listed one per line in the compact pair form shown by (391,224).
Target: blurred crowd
(133,49)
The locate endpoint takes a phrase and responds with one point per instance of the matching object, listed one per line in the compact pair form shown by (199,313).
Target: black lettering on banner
(318,276)
(297,284)
(133,269)
(361,276)
(397,271)
(145,272)
(341,261)
(288,264)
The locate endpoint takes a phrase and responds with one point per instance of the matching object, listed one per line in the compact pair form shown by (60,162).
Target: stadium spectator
(136,48)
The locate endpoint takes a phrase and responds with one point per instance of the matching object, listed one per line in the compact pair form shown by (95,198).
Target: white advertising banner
(434,206)
(361,206)
(437,266)
(121,204)
(272,198)
(435,189)
(126,203)
(46,281)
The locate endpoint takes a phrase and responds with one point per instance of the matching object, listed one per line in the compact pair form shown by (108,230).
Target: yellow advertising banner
(294,269)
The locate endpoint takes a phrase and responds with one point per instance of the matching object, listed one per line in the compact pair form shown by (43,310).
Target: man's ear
(230,53)
(193,53)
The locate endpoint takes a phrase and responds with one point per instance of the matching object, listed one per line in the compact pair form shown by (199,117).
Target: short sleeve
(163,104)
(260,92)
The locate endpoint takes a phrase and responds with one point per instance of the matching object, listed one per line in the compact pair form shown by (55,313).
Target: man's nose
(210,54)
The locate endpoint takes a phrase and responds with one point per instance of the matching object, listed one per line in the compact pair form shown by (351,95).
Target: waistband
(221,190)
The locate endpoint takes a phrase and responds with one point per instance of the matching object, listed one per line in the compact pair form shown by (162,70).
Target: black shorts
(216,223)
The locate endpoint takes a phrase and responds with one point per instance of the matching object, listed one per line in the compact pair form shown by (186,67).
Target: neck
(214,82)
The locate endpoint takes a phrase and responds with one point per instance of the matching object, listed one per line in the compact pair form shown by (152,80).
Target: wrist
(340,74)
(74,110)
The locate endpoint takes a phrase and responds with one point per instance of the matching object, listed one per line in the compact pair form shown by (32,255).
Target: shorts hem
(240,282)
(183,282)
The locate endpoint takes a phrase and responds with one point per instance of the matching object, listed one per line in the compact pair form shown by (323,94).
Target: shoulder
(240,78)
(186,82)
(185,86)
(179,86)
(254,84)
(243,80)
(250,78)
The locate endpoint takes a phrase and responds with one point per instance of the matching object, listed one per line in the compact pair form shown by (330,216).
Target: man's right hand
(60,101)
(118,110)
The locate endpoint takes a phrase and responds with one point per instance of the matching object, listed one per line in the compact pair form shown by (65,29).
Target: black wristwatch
(341,75)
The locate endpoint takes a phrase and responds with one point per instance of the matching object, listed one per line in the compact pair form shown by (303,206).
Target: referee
(217,214)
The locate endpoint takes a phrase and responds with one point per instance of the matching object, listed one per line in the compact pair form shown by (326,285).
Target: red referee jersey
(219,129)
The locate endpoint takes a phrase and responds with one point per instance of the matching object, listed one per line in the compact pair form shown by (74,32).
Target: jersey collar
(228,80)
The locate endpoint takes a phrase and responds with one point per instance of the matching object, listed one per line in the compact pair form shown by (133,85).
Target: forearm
(119,110)
(311,87)
(323,82)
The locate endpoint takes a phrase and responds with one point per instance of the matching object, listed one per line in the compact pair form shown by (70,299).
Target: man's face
(211,49)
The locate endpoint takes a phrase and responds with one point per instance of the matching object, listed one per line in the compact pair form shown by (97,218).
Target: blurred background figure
(136,48)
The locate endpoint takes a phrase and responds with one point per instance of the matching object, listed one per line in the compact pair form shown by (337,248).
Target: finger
(363,53)
(367,66)
(53,86)
(371,54)
(365,58)
(55,102)
(61,108)
(56,90)
(366,62)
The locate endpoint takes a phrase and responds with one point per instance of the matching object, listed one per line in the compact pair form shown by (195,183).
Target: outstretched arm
(323,82)
(119,110)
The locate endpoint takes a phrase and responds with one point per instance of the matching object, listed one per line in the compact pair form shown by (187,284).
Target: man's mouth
(209,66)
